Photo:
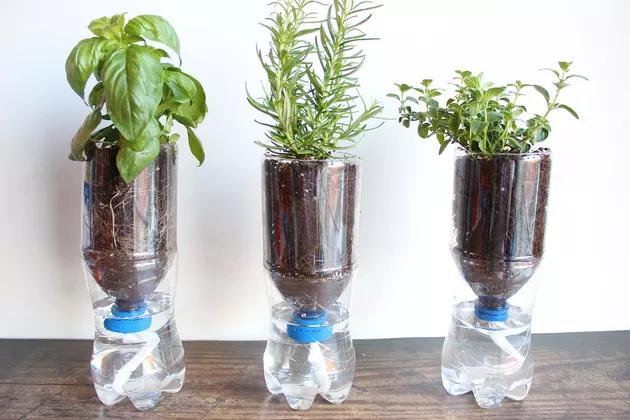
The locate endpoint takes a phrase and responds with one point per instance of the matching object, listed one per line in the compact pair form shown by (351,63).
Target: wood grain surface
(578,376)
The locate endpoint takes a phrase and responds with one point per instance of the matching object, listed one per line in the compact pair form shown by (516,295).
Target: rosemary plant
(311,68)
(482,117)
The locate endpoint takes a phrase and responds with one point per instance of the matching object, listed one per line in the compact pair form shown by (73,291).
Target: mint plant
(311,97)
(139,92)
(481,117)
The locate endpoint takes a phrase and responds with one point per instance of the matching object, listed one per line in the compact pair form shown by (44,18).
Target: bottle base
(144,393)
(487,395)
(301,397)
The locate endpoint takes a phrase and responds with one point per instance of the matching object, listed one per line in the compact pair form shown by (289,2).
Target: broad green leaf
(393,95)
(443,146)
(542,91)
(109,28)
(195,146)
(475,107)
(132,77)
(160,52)
(453,125)
(569,110)
(83,135)
(541,135)
(403,87)
(185,121)
(154,28)
(495,91)
(96,95)
(84,60)
(423,130)
(197,109)
(494,116)
(477,126)
(132,162)
(182,88)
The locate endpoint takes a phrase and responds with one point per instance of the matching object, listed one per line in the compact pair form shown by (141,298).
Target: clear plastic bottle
(310,219)
(300,367)
(130,260)
(491,358)
(499,214)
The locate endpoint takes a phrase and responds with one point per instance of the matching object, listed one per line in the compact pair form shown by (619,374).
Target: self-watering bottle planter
(130,202)
(311,194)
(310,223)
(501,187)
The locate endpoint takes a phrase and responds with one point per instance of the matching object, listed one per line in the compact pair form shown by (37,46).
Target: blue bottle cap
(128,321)
(306,334)
(309,328)
(492,314)
(310,316)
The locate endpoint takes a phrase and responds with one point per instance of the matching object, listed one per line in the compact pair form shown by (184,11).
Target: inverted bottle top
(309,328)
(128,321)
(491,314)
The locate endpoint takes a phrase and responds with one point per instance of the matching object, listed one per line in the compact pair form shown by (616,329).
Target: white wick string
(150,340)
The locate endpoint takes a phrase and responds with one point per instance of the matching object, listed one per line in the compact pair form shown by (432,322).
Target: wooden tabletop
(578,376)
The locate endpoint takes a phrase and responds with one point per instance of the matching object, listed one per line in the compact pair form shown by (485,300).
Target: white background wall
(404,284)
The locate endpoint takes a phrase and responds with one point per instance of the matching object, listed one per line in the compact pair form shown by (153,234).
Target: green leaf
(109,28)
(423,130)
(541,135)
(96,95)
(160,52)
(453,125)
(84,60)
(132,162)
(197,109)
(180,86)
(542,91)
(403,87)
(569,110)
(133,79)
(185,121)
(579,76)
(154,28)
(495,91)
(556,72)
(475,107)
(83,135)
(477,126)
(443,146)
(393,95)
(564,65)
(195,146)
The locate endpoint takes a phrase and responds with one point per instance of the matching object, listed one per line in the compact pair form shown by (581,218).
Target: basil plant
(139,92)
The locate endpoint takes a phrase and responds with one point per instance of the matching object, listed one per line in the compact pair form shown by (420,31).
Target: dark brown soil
(499,215)
(130,230)
(310,218)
